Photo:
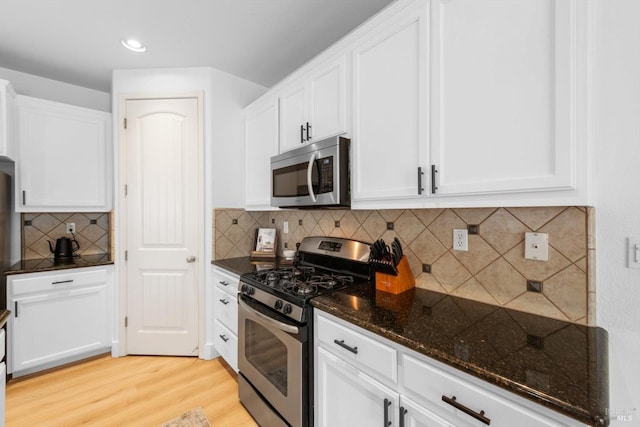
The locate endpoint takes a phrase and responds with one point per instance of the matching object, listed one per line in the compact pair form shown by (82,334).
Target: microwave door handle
(309,174)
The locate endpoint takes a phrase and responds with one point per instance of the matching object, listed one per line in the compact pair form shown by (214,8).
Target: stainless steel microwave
(315,175)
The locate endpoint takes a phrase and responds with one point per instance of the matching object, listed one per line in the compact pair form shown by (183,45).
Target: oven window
(267,354)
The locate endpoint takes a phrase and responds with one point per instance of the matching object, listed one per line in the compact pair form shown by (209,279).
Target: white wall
(616,131)
(53,90)
(224,97)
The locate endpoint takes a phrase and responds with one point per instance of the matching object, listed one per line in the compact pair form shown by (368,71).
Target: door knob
(191,258)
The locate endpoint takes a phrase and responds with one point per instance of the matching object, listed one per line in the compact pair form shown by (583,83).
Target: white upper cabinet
(470,103)
(328,99)
(454,103)
(64,163)
(314,106)
(293,116)
(504,95)
(261,142)
(389,107)
(7,125)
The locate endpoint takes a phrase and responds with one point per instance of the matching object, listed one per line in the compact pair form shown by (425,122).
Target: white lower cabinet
(227,345)
(350,390)
(3,375)
(225,308)
(3,392)
(345,396)
(58,317)
(413,415)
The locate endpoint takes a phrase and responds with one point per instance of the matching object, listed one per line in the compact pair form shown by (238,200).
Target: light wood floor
(126,391)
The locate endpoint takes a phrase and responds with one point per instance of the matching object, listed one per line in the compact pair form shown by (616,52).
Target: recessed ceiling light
(133,45)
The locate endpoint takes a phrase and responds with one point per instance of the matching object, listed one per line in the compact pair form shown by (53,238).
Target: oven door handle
(309,176)
(282,326)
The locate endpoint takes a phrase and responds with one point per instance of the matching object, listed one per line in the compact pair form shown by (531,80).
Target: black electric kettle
(64,248)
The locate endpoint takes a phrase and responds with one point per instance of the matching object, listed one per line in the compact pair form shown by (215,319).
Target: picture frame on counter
(265,243)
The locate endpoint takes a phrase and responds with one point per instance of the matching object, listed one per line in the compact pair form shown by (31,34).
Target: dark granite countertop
(4,316)
(48,264)
(561,365)
(247,265)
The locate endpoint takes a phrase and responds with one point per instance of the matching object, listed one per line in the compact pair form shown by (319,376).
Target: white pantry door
(162,205)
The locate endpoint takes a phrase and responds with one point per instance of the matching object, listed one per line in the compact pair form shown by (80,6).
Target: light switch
(633,252)
(536,246)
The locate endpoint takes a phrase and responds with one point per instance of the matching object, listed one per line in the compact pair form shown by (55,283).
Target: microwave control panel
(325,169)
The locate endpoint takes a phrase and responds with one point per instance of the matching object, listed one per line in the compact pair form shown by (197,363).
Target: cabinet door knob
(191,258)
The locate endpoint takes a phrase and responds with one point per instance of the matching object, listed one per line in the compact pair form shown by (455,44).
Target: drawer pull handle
(341,343)
(478,416)
(403,412)
(224,283)
(224,338)
(60,282)
(387,403)
(15,303)
(224,301)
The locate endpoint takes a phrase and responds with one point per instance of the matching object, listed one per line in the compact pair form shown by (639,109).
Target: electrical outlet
(460,240)
(536,246)
(71,227)
(285,227)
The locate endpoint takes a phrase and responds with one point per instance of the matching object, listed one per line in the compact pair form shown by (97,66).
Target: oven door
(271,357)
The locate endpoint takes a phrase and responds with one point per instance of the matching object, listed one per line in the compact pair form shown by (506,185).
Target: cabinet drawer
(226,344)
(226,281)
(428,384)
(357,348)
(226,309)
(28,283)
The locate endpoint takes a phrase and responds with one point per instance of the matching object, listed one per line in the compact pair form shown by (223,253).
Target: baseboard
(64,362)
(208,352)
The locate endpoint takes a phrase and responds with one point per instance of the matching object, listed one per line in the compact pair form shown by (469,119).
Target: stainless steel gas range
(275,327)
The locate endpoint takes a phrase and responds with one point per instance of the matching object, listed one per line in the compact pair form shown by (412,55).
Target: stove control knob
(244,288)
(287,309)
(250,290)
(278,304)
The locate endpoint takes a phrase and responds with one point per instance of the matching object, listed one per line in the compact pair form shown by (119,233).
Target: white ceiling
(78,41)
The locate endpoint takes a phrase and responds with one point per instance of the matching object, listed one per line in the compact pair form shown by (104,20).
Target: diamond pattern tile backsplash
(494,269)
(93,232)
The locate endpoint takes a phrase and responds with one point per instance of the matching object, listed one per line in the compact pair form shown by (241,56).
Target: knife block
(396,284)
